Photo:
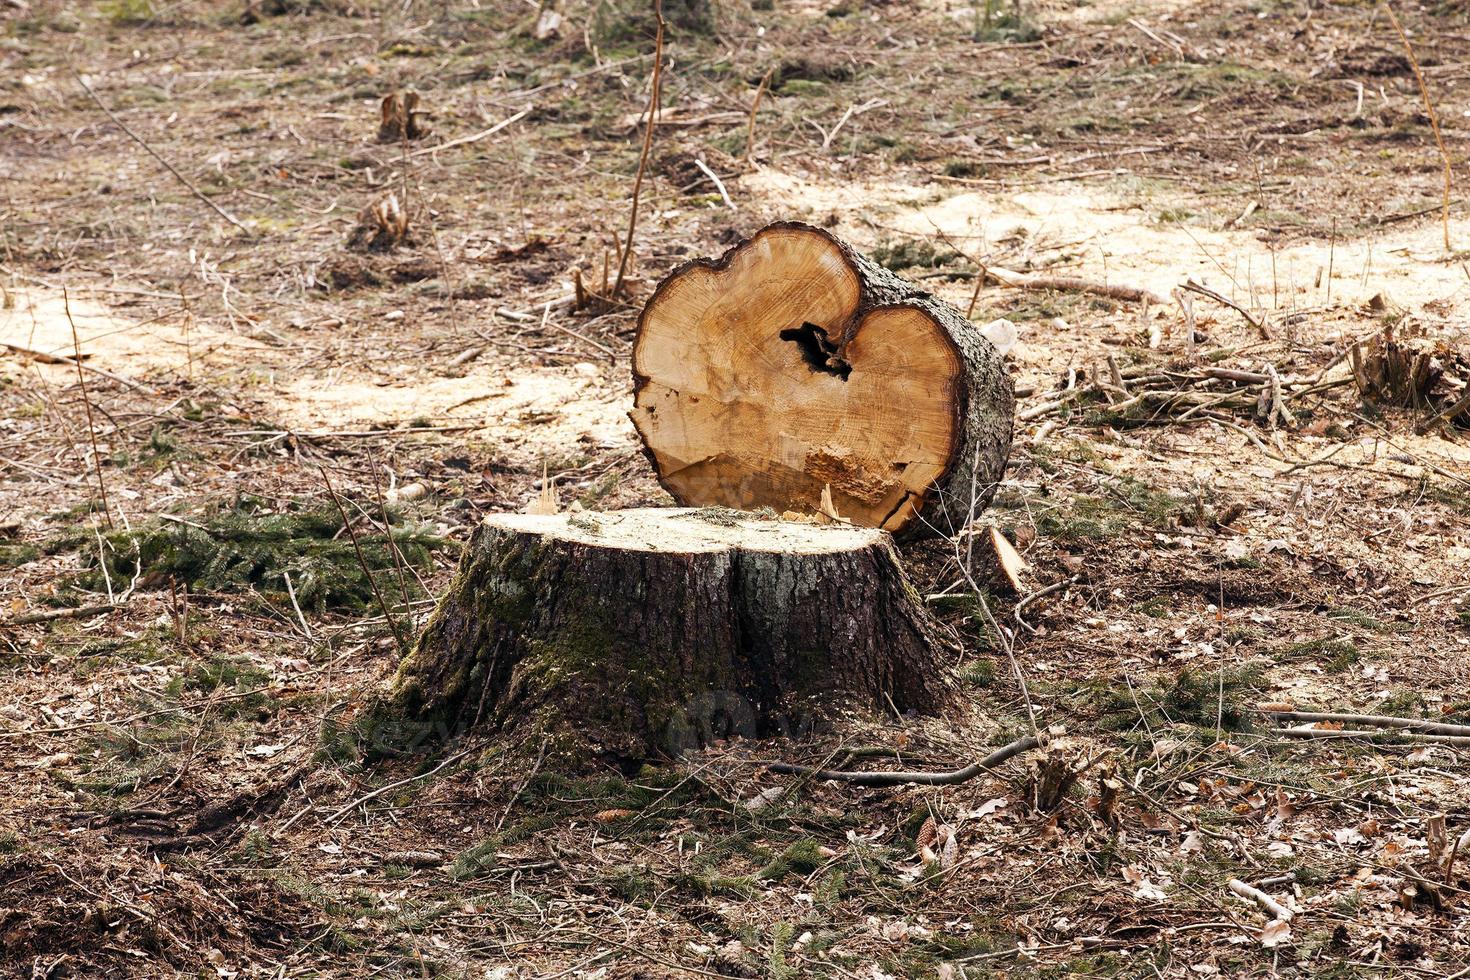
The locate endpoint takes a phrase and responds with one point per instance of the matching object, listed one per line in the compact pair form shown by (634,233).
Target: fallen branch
(1375,737)
(1038,594)
(155,154)
(1379,721)
(1026,280)
(466,140)
(49,615)
(1195,287)
(886,778)
(46,358)
(719,184)
(1250,893)
(1460,407)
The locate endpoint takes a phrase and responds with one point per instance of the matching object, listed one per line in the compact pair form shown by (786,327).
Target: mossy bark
(629,653)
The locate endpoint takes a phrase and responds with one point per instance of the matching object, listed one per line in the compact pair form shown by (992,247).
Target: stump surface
(793,364)
(640,634)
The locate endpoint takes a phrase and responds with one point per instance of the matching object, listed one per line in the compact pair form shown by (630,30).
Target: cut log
(793,364)
(639,634)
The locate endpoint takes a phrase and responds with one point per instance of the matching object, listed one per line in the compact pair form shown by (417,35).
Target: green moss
(913,254)
(15,555)
(1124,504)
(250,548)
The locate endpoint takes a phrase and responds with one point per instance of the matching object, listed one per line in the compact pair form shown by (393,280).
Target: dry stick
(398,561)
(47,615)
(87,401)
(1265,901)
(1195,287)
(347,523)
(465,140)
(1433,119)
(339,814)
(1375,737)
(47,358)
(155,155)
(1381,721)
(1024,280)
(719,184)
(1331,255)
(1459,407)
(655,85)
(754,107)
(885,778)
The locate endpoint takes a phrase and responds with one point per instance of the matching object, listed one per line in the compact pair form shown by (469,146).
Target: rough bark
(730,414)
(641,634)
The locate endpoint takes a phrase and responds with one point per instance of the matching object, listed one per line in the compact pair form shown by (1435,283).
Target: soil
(185,791)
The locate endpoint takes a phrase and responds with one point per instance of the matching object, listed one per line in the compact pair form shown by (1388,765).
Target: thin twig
(1195,287)
(340,813)
(891,778)
(362,561)
(656,88)
(155,155)
(754,107)
(398,560)
(1433,118)
(466,140)
(87,401)
(719,184)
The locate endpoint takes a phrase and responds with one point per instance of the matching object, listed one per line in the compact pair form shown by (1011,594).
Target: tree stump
(794,366)
(633,635)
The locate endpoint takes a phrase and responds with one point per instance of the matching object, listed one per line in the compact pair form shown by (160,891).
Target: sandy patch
(1108,237)
(519,407)
(137,351)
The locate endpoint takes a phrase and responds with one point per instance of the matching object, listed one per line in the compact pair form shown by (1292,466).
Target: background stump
(638,634)
(794,364)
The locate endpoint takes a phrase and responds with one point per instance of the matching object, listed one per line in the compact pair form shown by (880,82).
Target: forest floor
(181,796)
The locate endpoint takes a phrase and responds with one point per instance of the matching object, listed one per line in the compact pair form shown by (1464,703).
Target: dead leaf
(612,816)
(1275,933)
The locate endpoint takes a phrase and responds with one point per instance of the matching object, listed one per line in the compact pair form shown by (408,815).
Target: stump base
(640,634)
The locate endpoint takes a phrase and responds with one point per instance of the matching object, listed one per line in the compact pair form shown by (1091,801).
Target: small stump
(639,634)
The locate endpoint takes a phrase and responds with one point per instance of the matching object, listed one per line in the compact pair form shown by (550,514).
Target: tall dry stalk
(656,84)
(1444,154)
(76,346)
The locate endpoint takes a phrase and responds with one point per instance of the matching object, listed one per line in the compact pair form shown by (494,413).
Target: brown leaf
(612,816)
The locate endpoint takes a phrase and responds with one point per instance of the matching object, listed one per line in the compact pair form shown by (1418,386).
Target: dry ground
(179,777)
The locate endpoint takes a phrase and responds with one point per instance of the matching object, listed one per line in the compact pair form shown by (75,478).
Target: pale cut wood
(632,635)
(1008,565)
(794,365)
